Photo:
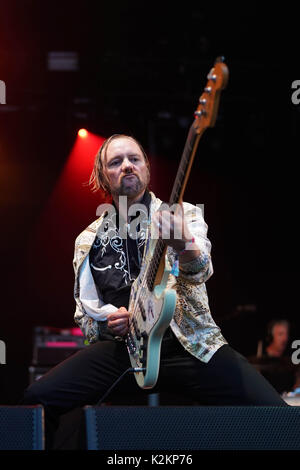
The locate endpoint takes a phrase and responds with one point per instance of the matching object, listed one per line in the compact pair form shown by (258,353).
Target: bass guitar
(153,296)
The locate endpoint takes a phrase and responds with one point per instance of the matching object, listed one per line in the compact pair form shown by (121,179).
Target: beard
(131,186)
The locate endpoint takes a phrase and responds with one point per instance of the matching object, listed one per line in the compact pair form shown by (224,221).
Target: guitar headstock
(206,112)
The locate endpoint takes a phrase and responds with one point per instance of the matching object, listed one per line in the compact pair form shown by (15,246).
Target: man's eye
(114,163)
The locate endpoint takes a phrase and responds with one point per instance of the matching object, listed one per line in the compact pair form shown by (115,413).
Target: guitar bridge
(143,349)
(131,343)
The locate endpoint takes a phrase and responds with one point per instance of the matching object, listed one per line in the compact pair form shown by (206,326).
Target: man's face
(125,168)
(280,335)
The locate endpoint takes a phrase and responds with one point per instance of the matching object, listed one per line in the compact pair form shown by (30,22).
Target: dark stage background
(141,70)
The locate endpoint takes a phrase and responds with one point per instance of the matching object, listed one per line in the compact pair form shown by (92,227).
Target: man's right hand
(118,322)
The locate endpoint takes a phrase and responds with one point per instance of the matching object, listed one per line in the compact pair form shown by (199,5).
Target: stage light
(82,133)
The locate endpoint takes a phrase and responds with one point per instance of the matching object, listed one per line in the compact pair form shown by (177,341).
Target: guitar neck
(185,166)
(205,116)
(157,263)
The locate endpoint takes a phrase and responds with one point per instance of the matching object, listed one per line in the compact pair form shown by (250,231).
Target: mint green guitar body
(151,313)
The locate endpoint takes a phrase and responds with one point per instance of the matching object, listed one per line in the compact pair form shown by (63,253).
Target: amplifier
(53,345)
(192,428)
(21,428)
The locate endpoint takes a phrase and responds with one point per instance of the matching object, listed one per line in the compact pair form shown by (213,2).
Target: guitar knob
(198,113)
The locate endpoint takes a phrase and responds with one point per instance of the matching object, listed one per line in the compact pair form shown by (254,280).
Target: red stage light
(82,133)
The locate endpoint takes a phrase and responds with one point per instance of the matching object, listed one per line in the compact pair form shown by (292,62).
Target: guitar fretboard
(176,196)
(205,116)
(187,154)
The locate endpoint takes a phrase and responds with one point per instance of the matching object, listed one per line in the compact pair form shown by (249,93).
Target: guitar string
(142,297)
(152,268)
(137,314)
(174,197)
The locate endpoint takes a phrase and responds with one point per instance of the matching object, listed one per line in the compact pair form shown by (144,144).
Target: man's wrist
(193,266)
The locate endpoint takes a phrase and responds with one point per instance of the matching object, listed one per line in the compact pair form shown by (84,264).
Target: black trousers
(82,379)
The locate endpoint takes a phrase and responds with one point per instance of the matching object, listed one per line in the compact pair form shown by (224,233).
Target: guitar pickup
(137,331)
(142,310)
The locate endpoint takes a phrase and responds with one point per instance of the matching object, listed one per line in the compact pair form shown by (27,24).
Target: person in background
(277,338)
(273,359)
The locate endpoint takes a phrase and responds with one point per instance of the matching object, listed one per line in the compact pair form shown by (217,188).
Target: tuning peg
(202,100)
(212,76)
(198,113)
(207,89)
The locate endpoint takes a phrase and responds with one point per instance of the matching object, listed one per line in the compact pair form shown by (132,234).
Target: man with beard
(195,358)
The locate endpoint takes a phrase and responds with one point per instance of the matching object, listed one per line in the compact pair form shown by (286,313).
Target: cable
(130,369)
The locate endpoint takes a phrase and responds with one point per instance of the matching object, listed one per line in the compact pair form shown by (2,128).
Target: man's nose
(126,164)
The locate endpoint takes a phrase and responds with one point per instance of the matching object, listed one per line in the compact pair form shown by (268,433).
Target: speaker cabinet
(21,428)
(193,428)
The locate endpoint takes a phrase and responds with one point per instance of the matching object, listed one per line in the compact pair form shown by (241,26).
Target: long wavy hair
(98,179)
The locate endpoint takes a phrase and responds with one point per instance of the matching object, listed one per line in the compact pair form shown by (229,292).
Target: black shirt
(116,255)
